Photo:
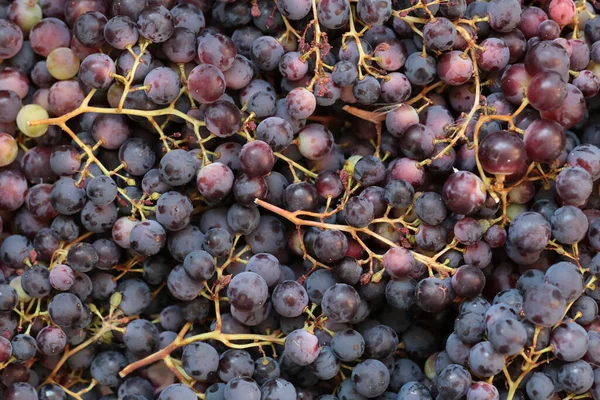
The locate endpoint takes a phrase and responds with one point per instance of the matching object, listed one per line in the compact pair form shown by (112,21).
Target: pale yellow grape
(25,13)
(16,284)
(32,112)
(62,63)
(8,149)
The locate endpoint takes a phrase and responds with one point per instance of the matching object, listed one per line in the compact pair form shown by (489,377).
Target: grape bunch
(299,199)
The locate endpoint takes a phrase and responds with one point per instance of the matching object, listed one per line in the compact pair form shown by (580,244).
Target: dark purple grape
(463,192)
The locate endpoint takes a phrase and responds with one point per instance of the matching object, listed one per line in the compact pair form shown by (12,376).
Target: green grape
(25,13)
(32,112)
(8,149)
(62,63)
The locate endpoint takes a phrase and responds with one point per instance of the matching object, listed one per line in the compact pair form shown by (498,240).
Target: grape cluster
(299,199)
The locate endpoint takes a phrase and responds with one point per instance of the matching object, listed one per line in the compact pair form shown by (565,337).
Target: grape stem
(227,339)
(293,218)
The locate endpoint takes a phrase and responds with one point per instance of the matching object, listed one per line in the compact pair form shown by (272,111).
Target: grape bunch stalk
(299,199)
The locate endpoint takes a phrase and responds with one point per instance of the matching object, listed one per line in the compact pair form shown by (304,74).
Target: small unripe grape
(8,149)
(62,63)
(32,112)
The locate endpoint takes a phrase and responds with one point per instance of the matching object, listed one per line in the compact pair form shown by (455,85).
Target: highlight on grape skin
(299,199)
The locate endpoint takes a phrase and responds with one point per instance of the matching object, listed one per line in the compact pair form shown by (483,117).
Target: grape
(155,24)
(571,111)
(507,336)
(380,342)
(374,13)
(61,277)
(247,189)
(340,302)
(188,16)
(539,386)
(200,360)
(347,345)
(14,250)
(100,214)
(65,309)
(206,83)
(333,14)
(430,208)
(35,282)
(136,386)
(135,296)
(302,347)
(300,103)
(106,366)
(216,49)
(413,391)
(177,391)
(529,232)
(51,340)
(242,388)
(565,186)
(454,382)
(10,104)
(89,28)
(439,34)
(330,246)
(546,91)
(431,294)
(289,299)
(567,278)
(561,11)
(177,167)
(588,83)
(199,265)
(576,377)
(32,112)
(247,291)
(8,149)
(544,305)
(544,140)
(141,337)
(265,369)
(256,158)
(569,341)
(181,286)
(470,327)
(463,192)
(586,306)
(396,89)
(400,293)
(147,238)
(370,378)
(12,39)
(484,361)
(174,211)
(20,390)
(326,366)
(294,10)
(454,68)
(266,53)
(62,63)
(502,153)
(315,142)
(162,85)
(494,56)
(240,74)
(235,363)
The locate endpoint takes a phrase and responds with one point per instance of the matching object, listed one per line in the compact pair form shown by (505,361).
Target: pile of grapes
(299,199)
